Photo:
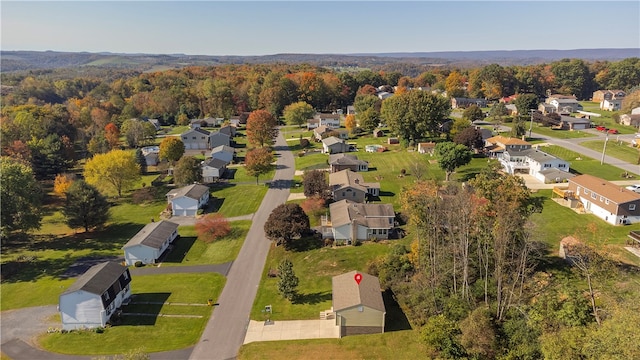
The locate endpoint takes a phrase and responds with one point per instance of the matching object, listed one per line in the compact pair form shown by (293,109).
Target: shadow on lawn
(180,250)
(312,298)
(149,304)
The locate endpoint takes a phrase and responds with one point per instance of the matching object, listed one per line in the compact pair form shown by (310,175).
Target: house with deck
(606,200)
(351,221)
(148,244)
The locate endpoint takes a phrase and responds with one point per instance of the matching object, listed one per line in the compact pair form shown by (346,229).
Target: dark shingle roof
(98,278)
(194,191)
(153,234)
(215,163)
(347,293)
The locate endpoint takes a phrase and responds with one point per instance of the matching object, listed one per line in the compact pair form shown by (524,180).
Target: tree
(62,182)
(454,84)
(98,144)
(21,197)
(350,123)
(261,128)
(48,156)
(470,137)
(526,102)
(116,169)
(112,134)
(298,113)
(137,132)
(187,171)
(451,156)
(85,207)
(473,113)
(498,110)
(212,227)
(285,223)
(315,183)
(142,161)
(518,129)
(287,280)
(258,162)
(459,125)
(171,149)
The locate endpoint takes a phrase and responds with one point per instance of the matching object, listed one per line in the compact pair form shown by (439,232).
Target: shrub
(304,143)
(313,205)
(99,330)
(301,154)
(212,227)
(138,264)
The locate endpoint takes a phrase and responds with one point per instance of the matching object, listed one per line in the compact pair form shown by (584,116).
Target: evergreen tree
(288,281)
(85,207)
(142,161)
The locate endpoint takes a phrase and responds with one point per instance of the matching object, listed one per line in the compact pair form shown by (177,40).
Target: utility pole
(531,122)
(604,148)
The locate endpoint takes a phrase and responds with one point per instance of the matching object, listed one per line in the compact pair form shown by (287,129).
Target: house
(511,109)
(359,307)
(155,123)
(508,99)
(496,145)
(572,123)
(608,201)
(195,139)
(321,132)
(545,108)
(151,155)
(461,103)
(384,95)
(186,201)
(333,145)
(228,130)
(554,175)
(351,221)
(426,148)
(630,120)
(312,124)
(339,162)
(611,104)
(532,162)
(564,105)
(213,169)
(223,152)
(351,110)
(94,297)
(600,95)
(347,184)
(330,120)
(207,122)
(150,243)
(217,138)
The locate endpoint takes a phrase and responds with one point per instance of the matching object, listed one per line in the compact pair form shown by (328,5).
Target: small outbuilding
(94,297)
(150,243)
(358,306)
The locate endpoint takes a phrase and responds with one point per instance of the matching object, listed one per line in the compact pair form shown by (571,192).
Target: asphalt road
(227,326)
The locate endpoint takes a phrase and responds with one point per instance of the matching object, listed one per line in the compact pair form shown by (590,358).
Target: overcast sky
(319,27)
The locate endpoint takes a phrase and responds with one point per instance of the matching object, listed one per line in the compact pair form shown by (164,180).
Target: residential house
(330,120)
(564,104)
(511,109)
(630,120)
(196,139)
(321,132)
(186,201)
(384,95)
(339,162)
(333,145)
(573,123)
(532,162)
(155,123)
(229,131)
(351,110)
(608,201)
(546,109)
(213,169)
(207,122)
(600,95)
(358,306)
(224,153)
(611,104)
(352,221)
(496,145)
(347,184)
(508,99)
(151,155)
(426,147)
(461,103)
(218,138)
(150,242)
(554,175)
(94,297)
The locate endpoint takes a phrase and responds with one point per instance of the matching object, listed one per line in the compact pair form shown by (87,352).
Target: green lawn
(314,268)
(585,165)
(558,134)
(152,334)
(619,150)
(234,200)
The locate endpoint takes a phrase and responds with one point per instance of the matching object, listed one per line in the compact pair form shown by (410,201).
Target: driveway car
(635,188)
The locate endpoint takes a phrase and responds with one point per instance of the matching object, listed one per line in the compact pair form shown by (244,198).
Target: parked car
(601,128)
(634,188)
(612,131)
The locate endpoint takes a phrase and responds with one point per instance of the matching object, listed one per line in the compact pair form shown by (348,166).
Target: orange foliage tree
(112,134)
(212,227)
(350,123)
(62,183)
(261,128)
(313,205)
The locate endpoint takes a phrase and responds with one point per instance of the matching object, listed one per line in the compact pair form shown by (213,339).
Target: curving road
(227,326)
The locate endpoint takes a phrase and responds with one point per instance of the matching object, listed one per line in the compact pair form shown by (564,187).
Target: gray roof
(332,140)
(218,133)
(215,163)
(223,148)
(153,234)
(375,216)
(228,130)
(571,119)
(193,191)
(554,173)
(345,159)
(347,293)
(98,278)
(348,178)
(198,130)
(540,156)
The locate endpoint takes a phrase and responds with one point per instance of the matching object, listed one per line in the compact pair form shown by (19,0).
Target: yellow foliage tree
(62,183)
(116,170)
(350,123)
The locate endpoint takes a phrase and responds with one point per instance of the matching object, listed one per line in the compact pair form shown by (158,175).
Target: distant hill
(31,60)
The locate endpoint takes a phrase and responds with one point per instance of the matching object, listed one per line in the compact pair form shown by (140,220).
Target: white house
(213,169)
(150,242)
(611,104)
(151,155)
(186,201)
(358,305)
(94,297)
(333,145)
(565,105)
(224,153)
(351,221)
(533,162)
(330,120)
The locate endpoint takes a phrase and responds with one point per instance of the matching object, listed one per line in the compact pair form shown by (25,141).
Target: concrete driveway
(25,324)
(291,330)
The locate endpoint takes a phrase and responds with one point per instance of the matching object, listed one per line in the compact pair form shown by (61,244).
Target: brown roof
(348,178)
(375,216)
(506,140)
(348,293)
(611,191)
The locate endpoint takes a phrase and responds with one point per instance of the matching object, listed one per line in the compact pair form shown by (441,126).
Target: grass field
(585,165)
(151,333)
(558,134)
(619,150)
(234,200)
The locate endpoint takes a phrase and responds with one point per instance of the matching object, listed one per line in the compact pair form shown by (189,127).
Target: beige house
(601,95)
(346,184)
(359,307)
(426,148)
(630,120)
(341,161)
(608,201)
(352,222)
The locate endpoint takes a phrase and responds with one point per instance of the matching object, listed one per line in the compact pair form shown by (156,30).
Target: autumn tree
(212,227)
(116,170)
(85,207)
(287,280)
(350,123)
(112,134)
(21,197)
(298,113)
(315,183)
(62,182)
(261,128)
(451,156)
(258,162)
(454,84)
(171,149)
(473,113)
(137,132)
(187,171)
(470,137)
(286,223)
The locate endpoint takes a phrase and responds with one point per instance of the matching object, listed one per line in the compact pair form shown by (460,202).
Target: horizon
(265,28)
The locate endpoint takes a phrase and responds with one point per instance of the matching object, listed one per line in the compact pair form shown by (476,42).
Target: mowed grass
(558,134)
(619,150)
(233,200)
(585,165)
(391,345)
(151,334)
(314,269)
(606,117)
(188,250)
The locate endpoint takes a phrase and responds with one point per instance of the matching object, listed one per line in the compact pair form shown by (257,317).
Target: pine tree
(142,161)
(85,207)
(288,281)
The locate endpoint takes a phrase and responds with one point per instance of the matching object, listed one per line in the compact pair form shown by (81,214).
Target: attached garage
(150,242)
(358,307)
(187,200)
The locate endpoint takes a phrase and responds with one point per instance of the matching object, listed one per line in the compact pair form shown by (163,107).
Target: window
(593,195)
(585,191)
(125,275)
(184,138)
(193,137)
(632,207)
(606,201)
(374,232)
(601,198)
(361,308)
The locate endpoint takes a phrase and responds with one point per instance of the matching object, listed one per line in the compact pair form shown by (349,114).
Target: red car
(601,128)
(612,131)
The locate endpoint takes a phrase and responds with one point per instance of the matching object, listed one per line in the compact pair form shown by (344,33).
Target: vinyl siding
(368,317)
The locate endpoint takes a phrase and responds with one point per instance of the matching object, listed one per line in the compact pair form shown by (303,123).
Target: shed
(150,242)
(393,140)
(359,308)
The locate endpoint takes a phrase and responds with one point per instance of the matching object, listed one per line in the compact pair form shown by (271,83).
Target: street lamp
(604,148)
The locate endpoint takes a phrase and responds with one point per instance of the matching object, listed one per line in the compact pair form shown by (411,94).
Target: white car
(635,188)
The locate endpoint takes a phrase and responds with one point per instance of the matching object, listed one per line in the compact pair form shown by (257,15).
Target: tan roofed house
(148,244)
(339,162)
(351,221)
(608,201)
(359,308)
(346,184)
